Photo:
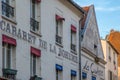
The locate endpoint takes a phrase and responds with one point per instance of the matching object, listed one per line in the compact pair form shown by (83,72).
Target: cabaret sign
(30,38)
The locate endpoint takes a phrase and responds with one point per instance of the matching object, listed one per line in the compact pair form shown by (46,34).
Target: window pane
(33,65)
(60,28)
(73,38)
(56,74)
(3,57)
(72,77)
(8,58)
(33,9)
(56,27)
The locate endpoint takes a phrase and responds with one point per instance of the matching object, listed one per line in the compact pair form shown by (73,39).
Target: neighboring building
(110,54)
(39,39)
(93,64)
(111,47)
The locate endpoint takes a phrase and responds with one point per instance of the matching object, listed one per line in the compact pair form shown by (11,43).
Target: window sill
(10,20)
(74,52)
(36,33)
(59,44)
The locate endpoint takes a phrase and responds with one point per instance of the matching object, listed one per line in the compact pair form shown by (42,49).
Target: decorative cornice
(97,59)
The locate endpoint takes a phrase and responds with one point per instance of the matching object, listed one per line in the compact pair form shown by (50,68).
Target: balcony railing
(58,39)
(35,78)
(73,47)
(34,25)
(9,73)
(7,10)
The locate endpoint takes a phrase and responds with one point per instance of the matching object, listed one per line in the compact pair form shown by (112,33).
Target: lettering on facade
(94,69)
(21,34)
(11,29)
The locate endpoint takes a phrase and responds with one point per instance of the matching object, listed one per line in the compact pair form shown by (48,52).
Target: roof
(86,9)
(76,5)
(114,39)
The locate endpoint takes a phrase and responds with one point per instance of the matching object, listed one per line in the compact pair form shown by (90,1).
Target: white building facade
(111,55)
(39,39)
(91,50)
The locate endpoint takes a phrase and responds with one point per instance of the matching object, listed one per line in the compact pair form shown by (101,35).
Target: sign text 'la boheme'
(32,39)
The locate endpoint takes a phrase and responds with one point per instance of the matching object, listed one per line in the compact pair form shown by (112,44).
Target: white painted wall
(48,59)
(110,65)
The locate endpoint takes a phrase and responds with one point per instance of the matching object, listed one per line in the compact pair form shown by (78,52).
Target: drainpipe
(80,69)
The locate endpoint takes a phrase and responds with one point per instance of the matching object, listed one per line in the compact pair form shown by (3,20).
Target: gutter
(77,6)
(80,39)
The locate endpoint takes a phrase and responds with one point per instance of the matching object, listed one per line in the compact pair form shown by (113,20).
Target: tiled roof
(86,8)
(114,40)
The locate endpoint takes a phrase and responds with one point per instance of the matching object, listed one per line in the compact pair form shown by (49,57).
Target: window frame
(73,35)
(35,14)
(59,75)
(9,10)
(59,32)
(33,64)
(73,77)
(5,62)
(109,53)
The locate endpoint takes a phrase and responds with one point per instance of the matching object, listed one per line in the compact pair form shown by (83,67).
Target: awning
(59,67)
(73,28)
(93,78)
(2,78)
(35,51)
(9,40)
(38,1)
(59,17)
(73,73)
(84,75)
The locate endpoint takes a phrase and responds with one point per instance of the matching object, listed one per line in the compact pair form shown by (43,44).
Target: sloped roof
(77,6)
(114,39)
(86,9)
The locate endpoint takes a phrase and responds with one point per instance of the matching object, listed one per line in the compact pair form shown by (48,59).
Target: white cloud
(111,9)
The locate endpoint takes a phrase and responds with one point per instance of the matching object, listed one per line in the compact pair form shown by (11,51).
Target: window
(8,61)
(7,55)
(73,75)
(110,75)
(59,69)
(35,16)
(35,61)
(8,9)
(93,78)
(114,58)
(33,64)
(109,54)
(73,38)
(58,75)
(84,76)
(59,29)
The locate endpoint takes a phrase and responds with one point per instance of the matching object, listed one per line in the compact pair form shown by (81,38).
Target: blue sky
(107,13)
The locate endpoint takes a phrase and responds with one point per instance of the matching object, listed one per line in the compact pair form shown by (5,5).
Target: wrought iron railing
(9,73)
(34,25)
(58,39)
(7,10)
(73,47)
(35,77)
